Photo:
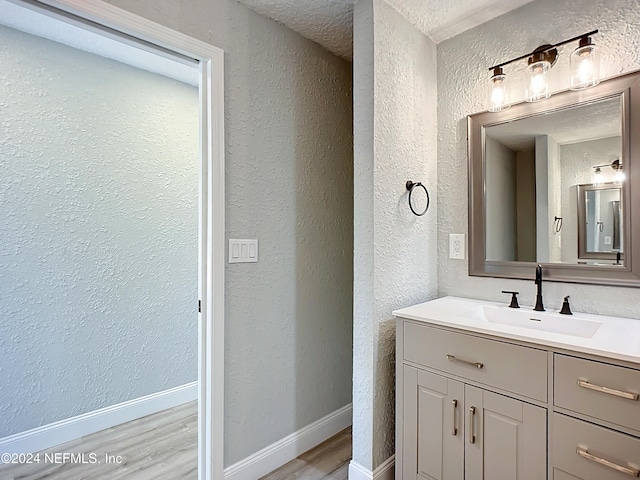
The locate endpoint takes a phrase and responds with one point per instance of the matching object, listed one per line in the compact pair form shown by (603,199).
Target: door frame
(126,27)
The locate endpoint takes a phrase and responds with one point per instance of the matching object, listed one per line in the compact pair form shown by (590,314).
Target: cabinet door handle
(454,429)
(472,414)
(610,391)
(584,453)
(452,358)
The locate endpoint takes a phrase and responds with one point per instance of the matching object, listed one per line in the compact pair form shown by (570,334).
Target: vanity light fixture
(598,176)
(584,71)
(539,64)
(619,175)
(498,94)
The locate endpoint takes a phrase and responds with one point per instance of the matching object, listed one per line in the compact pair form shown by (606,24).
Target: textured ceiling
(330,22)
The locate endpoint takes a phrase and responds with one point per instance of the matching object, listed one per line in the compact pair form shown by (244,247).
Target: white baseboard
(53,434)
(383,472)
(290,447)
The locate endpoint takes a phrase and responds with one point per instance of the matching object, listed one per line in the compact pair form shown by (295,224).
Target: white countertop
(617,338)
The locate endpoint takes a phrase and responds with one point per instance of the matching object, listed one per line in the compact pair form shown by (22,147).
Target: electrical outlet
(456,246)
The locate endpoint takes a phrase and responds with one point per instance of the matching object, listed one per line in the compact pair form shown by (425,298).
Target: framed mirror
(600,230)
(541,177)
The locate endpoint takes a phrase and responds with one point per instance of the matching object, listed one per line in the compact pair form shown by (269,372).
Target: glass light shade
(619,176)
(498,94)
(538,87)
(598,176)
(585,67)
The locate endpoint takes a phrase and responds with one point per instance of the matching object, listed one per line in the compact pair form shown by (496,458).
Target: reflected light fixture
(498,94)
(598,175)
(619,176)
(584,71)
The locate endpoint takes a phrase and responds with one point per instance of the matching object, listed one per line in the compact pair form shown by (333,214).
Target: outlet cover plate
(457,246)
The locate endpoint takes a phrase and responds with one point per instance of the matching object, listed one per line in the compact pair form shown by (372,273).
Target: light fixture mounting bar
(615,164)
(549,47)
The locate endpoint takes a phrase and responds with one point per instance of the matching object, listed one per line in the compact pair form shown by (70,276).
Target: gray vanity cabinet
(515,404)
(510,438)
(596,427)
(434,426)
(455,429)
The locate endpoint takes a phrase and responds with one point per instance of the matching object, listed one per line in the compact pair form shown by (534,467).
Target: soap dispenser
(566,310)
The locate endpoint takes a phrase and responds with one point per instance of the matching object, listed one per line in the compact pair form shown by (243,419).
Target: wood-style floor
(327,461)
(160,446)
(164,446)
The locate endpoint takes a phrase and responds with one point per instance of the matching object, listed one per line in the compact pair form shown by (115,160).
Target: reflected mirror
(550,182)
(600,222)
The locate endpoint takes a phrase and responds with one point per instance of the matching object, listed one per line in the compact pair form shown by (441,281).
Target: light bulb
(584,65)
(619,176)
(538,87)
(498,95)
(598,177)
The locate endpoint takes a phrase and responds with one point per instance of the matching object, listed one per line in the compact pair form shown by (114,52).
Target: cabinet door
(433,427)
(506,439)
(560,475)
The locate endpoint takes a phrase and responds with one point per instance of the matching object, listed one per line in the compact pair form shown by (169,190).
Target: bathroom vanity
(488,392)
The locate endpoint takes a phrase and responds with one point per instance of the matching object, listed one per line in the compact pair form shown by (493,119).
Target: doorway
(88,278)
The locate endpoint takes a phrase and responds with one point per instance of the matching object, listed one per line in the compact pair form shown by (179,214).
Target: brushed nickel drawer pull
(472,414)
(454,429)
(452,358)
(584,453)
(610,391)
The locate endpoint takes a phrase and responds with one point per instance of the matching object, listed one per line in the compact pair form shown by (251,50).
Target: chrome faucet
(539,306)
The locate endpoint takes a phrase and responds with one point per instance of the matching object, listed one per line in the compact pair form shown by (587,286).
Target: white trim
(126,27)
(383,472)
(476,17)
(105,16)
(57,433)
(290,447)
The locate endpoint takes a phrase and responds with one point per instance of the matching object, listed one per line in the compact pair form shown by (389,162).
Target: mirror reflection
(536,170)
(600,234)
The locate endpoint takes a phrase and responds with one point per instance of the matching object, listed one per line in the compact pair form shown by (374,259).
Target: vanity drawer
(595,443)
(617,403)
(513,368)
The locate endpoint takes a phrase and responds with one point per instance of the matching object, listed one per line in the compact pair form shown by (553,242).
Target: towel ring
(410,186)
(557,224)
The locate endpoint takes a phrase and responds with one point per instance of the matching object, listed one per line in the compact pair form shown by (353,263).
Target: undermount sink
(528,318)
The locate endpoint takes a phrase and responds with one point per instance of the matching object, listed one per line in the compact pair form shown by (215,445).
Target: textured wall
(394,251)
(554,197)
(462,89)
(289,180)
(541,154)
(98,232)
(501,201)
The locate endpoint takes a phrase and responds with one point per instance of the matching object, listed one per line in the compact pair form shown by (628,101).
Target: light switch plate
(243,250)
(456,246)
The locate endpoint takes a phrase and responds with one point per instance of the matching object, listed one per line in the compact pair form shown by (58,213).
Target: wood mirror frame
(627,88)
